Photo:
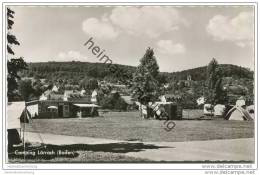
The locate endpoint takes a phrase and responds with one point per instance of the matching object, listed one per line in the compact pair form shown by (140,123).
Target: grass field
(129,126)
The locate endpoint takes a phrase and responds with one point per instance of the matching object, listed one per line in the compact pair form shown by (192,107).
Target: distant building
(45,95)
(67,94)
(186,83)
(189,78)
(55,89)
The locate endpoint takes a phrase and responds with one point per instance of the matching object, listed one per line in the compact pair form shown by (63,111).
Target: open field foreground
(128,126)
(86,149)
(124,137)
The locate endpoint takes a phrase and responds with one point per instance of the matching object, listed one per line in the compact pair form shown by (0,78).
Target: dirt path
(213,150)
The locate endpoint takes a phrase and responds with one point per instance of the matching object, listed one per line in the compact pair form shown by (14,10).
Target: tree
(221,95)
(215,93)
(162,78)
(89,84)
(120,104)
(38,88)
(14,65)
(25,89)
(113,101)
(145,84)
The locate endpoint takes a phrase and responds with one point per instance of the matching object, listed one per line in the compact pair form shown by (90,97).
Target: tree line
(80,70)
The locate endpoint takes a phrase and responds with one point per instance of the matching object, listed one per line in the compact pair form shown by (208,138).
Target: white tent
(208,109)
(33,109)
(238,113)
(17,112)
(43,97)
(219,110)
(14,112)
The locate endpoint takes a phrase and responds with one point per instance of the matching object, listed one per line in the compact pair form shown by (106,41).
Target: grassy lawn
(129,126)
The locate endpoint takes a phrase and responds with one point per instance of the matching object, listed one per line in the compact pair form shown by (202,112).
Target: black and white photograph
(130,84)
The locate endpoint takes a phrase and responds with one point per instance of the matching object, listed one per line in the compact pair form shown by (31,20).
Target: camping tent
(238,113)
(251,110)
(16,113)
(219,110)
(33,110)
(208,109)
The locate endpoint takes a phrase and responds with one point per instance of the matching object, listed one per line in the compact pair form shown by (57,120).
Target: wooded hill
(228,70)
(79,70)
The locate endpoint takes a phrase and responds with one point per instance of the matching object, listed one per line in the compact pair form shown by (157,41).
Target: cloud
(168,47)
(239,29)
(149,21)
(99,28)
(138,21)
(70,56)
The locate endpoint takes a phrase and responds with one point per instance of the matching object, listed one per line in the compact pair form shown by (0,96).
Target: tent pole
(24,117)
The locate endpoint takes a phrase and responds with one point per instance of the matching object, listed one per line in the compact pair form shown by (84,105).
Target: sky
(182,37)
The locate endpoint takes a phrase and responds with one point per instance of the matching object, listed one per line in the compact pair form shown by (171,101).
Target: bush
(120,104)
(113,102)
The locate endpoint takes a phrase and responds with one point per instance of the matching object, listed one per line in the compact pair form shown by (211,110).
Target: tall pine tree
(145,81)
(215,93)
